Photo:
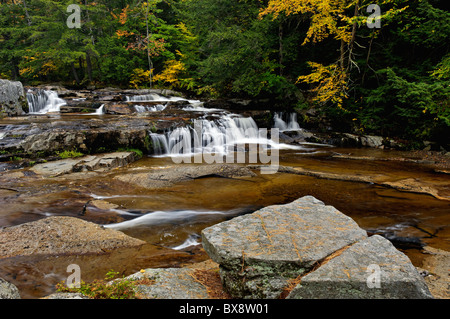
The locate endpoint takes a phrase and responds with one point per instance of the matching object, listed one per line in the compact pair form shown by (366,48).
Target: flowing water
(171,219)
(44,101)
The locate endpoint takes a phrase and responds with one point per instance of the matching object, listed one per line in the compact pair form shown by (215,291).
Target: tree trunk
(352,41)
(26,13)
(280,39)
(14,70)
(74,72)
(150,63)
(341,58)
(89,66)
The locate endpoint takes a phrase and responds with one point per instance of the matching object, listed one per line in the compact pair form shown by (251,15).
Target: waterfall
(290,125)
(293,124)
(279,123)
(159,144)
(207,136)
(156,108)
(100,110)
(44,101)
(161,102)
(180,141)
(152,98)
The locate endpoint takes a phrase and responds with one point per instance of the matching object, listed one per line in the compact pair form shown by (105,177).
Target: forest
(381,70)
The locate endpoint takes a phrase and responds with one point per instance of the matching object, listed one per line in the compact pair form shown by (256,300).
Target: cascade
(44,101)
(290,125)
(100,110)
(180,141)
(208,136)
(159,144)
(142,108)
(152,98)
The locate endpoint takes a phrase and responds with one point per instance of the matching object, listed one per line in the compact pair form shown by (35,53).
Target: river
(171,219)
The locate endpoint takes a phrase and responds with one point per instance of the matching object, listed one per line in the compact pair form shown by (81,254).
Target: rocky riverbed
(97,188)
(304,249)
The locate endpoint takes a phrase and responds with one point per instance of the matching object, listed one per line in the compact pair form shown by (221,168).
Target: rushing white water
(209,136)
(290,125)
(44,101)
(160,101)
(161,217)
(191,241)
(180,141)
(226,134)
(159,144)
(153,98)
(143,108)
(100,110)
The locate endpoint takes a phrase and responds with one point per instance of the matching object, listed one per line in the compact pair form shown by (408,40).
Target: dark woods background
(392,81)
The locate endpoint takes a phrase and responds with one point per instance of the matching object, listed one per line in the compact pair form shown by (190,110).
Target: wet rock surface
(97,163)
(84,135)
(435,270)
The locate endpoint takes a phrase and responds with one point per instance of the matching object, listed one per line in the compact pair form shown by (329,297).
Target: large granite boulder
(12,98)
(266,254)
(260,252)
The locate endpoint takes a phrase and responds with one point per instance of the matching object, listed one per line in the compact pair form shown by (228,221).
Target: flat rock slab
(277,243)
(99,162)
(169,283)
(61,235)
(370,269)
(168,176)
